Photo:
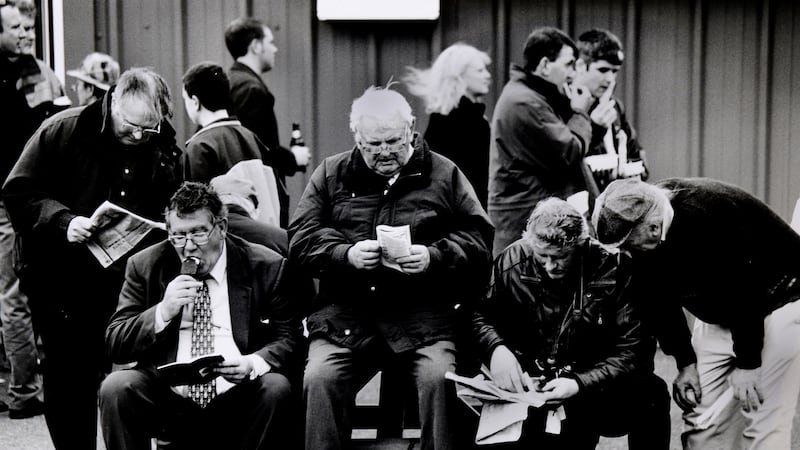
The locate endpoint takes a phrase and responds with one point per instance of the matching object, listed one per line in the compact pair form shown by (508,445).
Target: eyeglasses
(140,130)
(392,145)
(198,237)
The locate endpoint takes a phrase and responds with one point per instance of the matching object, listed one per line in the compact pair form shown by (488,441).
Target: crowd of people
(423,252)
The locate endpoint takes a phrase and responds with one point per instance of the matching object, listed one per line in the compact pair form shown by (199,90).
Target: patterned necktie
(202,344)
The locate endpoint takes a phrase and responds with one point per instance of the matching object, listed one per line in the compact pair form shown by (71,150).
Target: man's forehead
(371,128)
(10,16)
(603,64)
(566,53)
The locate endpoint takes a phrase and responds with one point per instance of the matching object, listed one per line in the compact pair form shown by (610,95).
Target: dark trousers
(335,374)
(136,405)
(73,368)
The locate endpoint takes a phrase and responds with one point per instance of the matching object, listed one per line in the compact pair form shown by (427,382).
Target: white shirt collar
(221,266)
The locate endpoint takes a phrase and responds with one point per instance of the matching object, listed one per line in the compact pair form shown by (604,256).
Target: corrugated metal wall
(710,86)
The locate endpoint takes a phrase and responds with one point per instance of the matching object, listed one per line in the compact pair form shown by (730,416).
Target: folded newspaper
(117,232)
(503,412)
(395,242)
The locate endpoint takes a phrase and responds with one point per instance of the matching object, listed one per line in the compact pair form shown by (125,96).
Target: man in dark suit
(160,318)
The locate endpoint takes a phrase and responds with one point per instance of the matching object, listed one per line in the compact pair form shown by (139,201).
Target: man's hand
(365,254)
(235,370)
(559,389)
(580,99)
(605,114)
(302,154)
(180,292)
(686,388)
(506,371)
(745,388)
(80,229)
(417,262)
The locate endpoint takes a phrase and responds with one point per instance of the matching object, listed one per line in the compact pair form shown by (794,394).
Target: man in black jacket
(722,254)
(251,45)
(560,309)
(121,149)
(398,303)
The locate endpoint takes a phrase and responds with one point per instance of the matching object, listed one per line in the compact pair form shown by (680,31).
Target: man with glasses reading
(160,318)
(367,314)
(121,149)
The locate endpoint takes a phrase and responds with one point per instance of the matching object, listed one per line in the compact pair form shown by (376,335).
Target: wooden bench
(386,415)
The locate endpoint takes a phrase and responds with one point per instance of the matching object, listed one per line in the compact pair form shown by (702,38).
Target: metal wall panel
(710,86)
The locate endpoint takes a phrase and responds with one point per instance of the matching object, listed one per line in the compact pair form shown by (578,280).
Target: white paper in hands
(395,242)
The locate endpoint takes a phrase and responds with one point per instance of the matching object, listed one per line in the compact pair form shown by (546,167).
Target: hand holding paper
(364,254)
(395,243)
(80,229)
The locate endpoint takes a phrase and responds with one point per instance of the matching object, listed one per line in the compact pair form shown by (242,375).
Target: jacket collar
(224,122)
(558,101)
(244,68)
(360,178)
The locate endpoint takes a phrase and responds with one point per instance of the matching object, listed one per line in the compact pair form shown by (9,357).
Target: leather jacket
(585,322)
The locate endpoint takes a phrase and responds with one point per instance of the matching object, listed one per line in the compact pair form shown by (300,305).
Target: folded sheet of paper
(503,412)
(395,242)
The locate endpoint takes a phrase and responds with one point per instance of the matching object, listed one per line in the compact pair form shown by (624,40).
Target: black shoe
(35,408)
(3,406)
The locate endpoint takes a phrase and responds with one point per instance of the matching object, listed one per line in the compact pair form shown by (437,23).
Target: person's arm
(314,244)
(280,312)
(255,109)
(545,141)
(28,192)
(623,358)
(131,334)
(465,249)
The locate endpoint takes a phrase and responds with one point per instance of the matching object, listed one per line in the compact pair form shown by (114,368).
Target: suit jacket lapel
(239,296)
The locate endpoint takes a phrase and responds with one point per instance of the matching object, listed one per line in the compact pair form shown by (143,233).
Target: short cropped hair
(600,45)
(146,85)
(442,85)
(383,108)
(554,222)
(240,33)
(210,84)
(545,42)
(192,197)
(26,7)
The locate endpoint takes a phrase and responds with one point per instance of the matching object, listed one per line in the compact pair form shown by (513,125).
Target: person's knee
(119,385)
(320,374)
(274,389)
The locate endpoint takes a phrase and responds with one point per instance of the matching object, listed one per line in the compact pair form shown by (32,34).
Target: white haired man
(728,259)
(367,314)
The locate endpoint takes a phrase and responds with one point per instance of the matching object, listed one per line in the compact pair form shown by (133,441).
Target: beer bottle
(297,140)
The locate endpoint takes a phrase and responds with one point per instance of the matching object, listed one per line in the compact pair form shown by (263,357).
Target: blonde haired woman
(457,129)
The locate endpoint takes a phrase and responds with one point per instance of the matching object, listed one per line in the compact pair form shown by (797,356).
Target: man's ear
(223,225)
(543,68)
(195,102)
(253,47)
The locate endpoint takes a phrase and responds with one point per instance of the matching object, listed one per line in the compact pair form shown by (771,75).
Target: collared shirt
(224,344)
